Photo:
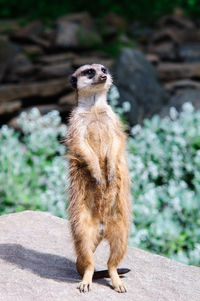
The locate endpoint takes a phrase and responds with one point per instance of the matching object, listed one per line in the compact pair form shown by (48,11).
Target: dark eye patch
(104,70)
(88,72)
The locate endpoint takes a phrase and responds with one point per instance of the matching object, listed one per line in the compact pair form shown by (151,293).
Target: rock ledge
(37,263)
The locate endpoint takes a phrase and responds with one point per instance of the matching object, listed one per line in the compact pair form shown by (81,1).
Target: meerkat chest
(100,133)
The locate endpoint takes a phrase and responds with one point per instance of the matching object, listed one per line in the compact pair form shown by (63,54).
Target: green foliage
(32,170)
(164,160)
(143,10)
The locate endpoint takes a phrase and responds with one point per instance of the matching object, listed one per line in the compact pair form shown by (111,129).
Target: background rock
(7,52)
(76,30)
(37,262)
(178,100)
(137,81)
(34,89)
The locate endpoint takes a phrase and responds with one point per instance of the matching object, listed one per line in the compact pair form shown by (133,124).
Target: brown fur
(99,187)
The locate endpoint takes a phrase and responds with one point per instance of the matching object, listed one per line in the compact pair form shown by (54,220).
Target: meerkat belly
(99,138)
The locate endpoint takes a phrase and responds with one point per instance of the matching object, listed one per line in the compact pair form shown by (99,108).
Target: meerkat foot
(120,288)
(116,282)
(84,286)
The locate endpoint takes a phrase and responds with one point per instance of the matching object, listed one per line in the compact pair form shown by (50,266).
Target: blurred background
(153,51)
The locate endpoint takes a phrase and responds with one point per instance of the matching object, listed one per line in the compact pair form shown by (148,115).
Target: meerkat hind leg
(86,282)
(85,262)
(117,251)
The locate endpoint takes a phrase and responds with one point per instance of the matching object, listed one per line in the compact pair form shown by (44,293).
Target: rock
(10,107)
(174,71)
(180,85)
(37,262)
(165,50)
(9,26)
(7,52)
(23,36)
(137,82)
(79,61)
(152,58)
(49,88)
(75,31)
(20,68)
(178,100)
(33,28)
(83,19)
(176,21)
(112,19)
(33,50)
(55,70)
(57,58)
(189,52)
(168,34)
(68,100)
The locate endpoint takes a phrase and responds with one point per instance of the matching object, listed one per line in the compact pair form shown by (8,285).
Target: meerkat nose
(103,77)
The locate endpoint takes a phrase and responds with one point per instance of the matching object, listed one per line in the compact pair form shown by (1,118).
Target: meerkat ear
(73,81)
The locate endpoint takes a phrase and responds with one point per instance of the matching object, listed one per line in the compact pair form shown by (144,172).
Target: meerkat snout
(103,77)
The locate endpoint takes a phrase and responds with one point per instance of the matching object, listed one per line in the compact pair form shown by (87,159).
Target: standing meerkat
(99,203)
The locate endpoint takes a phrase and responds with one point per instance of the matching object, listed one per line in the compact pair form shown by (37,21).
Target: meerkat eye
(89,72)
(104,70)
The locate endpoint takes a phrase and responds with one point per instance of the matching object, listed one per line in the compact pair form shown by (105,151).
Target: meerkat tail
(105,274)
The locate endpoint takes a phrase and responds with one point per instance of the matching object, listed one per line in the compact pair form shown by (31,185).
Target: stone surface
(173,71)
(7,52)
(178,100)
(10,107)
(37,262)
(189,52)
(182,84)
(68,100)
(79,61)
(75,31)
(57,58)
(35,89)
(165,50)
(55,70)
(137,81)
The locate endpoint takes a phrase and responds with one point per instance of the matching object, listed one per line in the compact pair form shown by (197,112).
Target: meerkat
(99,202)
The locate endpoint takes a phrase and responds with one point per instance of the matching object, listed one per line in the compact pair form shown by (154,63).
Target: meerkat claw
(99,181)
(121,289)
(84,287)
(110,178)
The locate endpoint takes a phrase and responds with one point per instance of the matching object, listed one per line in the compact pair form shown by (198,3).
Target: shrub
(32,169)
(164,160)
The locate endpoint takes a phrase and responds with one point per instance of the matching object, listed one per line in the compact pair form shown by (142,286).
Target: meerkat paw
(111,175)
(120,288)
(84,286)
(98,181)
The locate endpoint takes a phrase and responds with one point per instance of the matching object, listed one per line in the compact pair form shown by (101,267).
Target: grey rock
(75,31)
(173,71)
(178,100)
(182,85)
(189,52)
(37,263)
(137,82)
(48,88)
(55,70)
(10,107)
(7,52)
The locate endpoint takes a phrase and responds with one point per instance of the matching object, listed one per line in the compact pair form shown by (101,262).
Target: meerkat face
(90,79)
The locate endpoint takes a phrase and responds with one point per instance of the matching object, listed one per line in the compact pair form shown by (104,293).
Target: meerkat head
(90,79)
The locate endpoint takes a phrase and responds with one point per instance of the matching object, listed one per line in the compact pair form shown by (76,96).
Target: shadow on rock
(43,264)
